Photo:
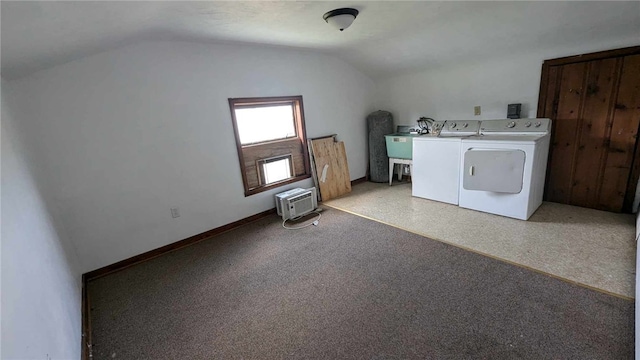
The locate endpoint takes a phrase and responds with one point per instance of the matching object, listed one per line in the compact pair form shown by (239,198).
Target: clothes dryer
(503,168)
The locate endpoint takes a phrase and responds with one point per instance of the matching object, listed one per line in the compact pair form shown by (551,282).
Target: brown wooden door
(595,105)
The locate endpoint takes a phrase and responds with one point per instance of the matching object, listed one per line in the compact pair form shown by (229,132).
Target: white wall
(450,92)
(41,284)
(126,134)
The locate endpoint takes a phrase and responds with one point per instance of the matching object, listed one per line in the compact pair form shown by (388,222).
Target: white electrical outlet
(476,110)
(175,212)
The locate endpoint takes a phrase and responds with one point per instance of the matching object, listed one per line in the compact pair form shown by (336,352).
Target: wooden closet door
(595,106)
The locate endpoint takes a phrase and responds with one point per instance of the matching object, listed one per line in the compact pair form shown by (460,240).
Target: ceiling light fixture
(340,18)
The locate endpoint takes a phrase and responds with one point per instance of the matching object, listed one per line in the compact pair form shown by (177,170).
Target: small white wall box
(296,202)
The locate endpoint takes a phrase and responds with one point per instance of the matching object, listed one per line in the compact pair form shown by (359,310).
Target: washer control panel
(460,128)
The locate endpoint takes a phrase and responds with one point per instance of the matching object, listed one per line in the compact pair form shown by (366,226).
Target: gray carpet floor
(348,288)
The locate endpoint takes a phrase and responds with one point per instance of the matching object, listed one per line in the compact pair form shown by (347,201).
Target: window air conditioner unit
(296,202)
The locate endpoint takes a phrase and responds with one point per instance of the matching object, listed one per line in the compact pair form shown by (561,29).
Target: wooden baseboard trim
(91,275)
(85,350)
(359,181)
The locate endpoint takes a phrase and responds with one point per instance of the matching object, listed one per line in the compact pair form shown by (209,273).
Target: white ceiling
(387,37)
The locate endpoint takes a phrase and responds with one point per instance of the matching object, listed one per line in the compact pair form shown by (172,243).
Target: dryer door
(496,170)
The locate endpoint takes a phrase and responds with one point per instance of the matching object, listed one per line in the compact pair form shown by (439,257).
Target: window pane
(265,123)
(276,170)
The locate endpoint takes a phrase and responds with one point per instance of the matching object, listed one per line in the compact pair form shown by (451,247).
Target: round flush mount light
(340,18)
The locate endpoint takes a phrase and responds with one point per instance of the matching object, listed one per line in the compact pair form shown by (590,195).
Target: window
(275,169)
(271,141)
(265,123)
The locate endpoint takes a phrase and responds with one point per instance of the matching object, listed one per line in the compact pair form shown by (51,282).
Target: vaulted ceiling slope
(387,37)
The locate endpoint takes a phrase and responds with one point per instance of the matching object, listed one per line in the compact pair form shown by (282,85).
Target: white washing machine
(435,173)
(503,168)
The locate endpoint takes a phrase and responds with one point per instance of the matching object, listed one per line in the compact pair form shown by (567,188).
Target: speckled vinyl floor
(590,247)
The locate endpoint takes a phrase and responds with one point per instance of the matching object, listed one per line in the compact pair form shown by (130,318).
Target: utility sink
(400,145)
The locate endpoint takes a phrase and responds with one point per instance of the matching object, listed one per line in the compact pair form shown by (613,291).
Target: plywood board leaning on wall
(331,167)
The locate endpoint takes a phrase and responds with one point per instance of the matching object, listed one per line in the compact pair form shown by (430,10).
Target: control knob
(527,124)
(537,124)
(452,126)
(511,124)
(465,125)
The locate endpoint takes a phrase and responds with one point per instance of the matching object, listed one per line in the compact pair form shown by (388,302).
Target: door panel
(594,131)
(551,88)
(499,171)
(622,142)
(563,143)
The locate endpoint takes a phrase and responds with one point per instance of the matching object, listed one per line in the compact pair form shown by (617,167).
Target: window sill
(275,185)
